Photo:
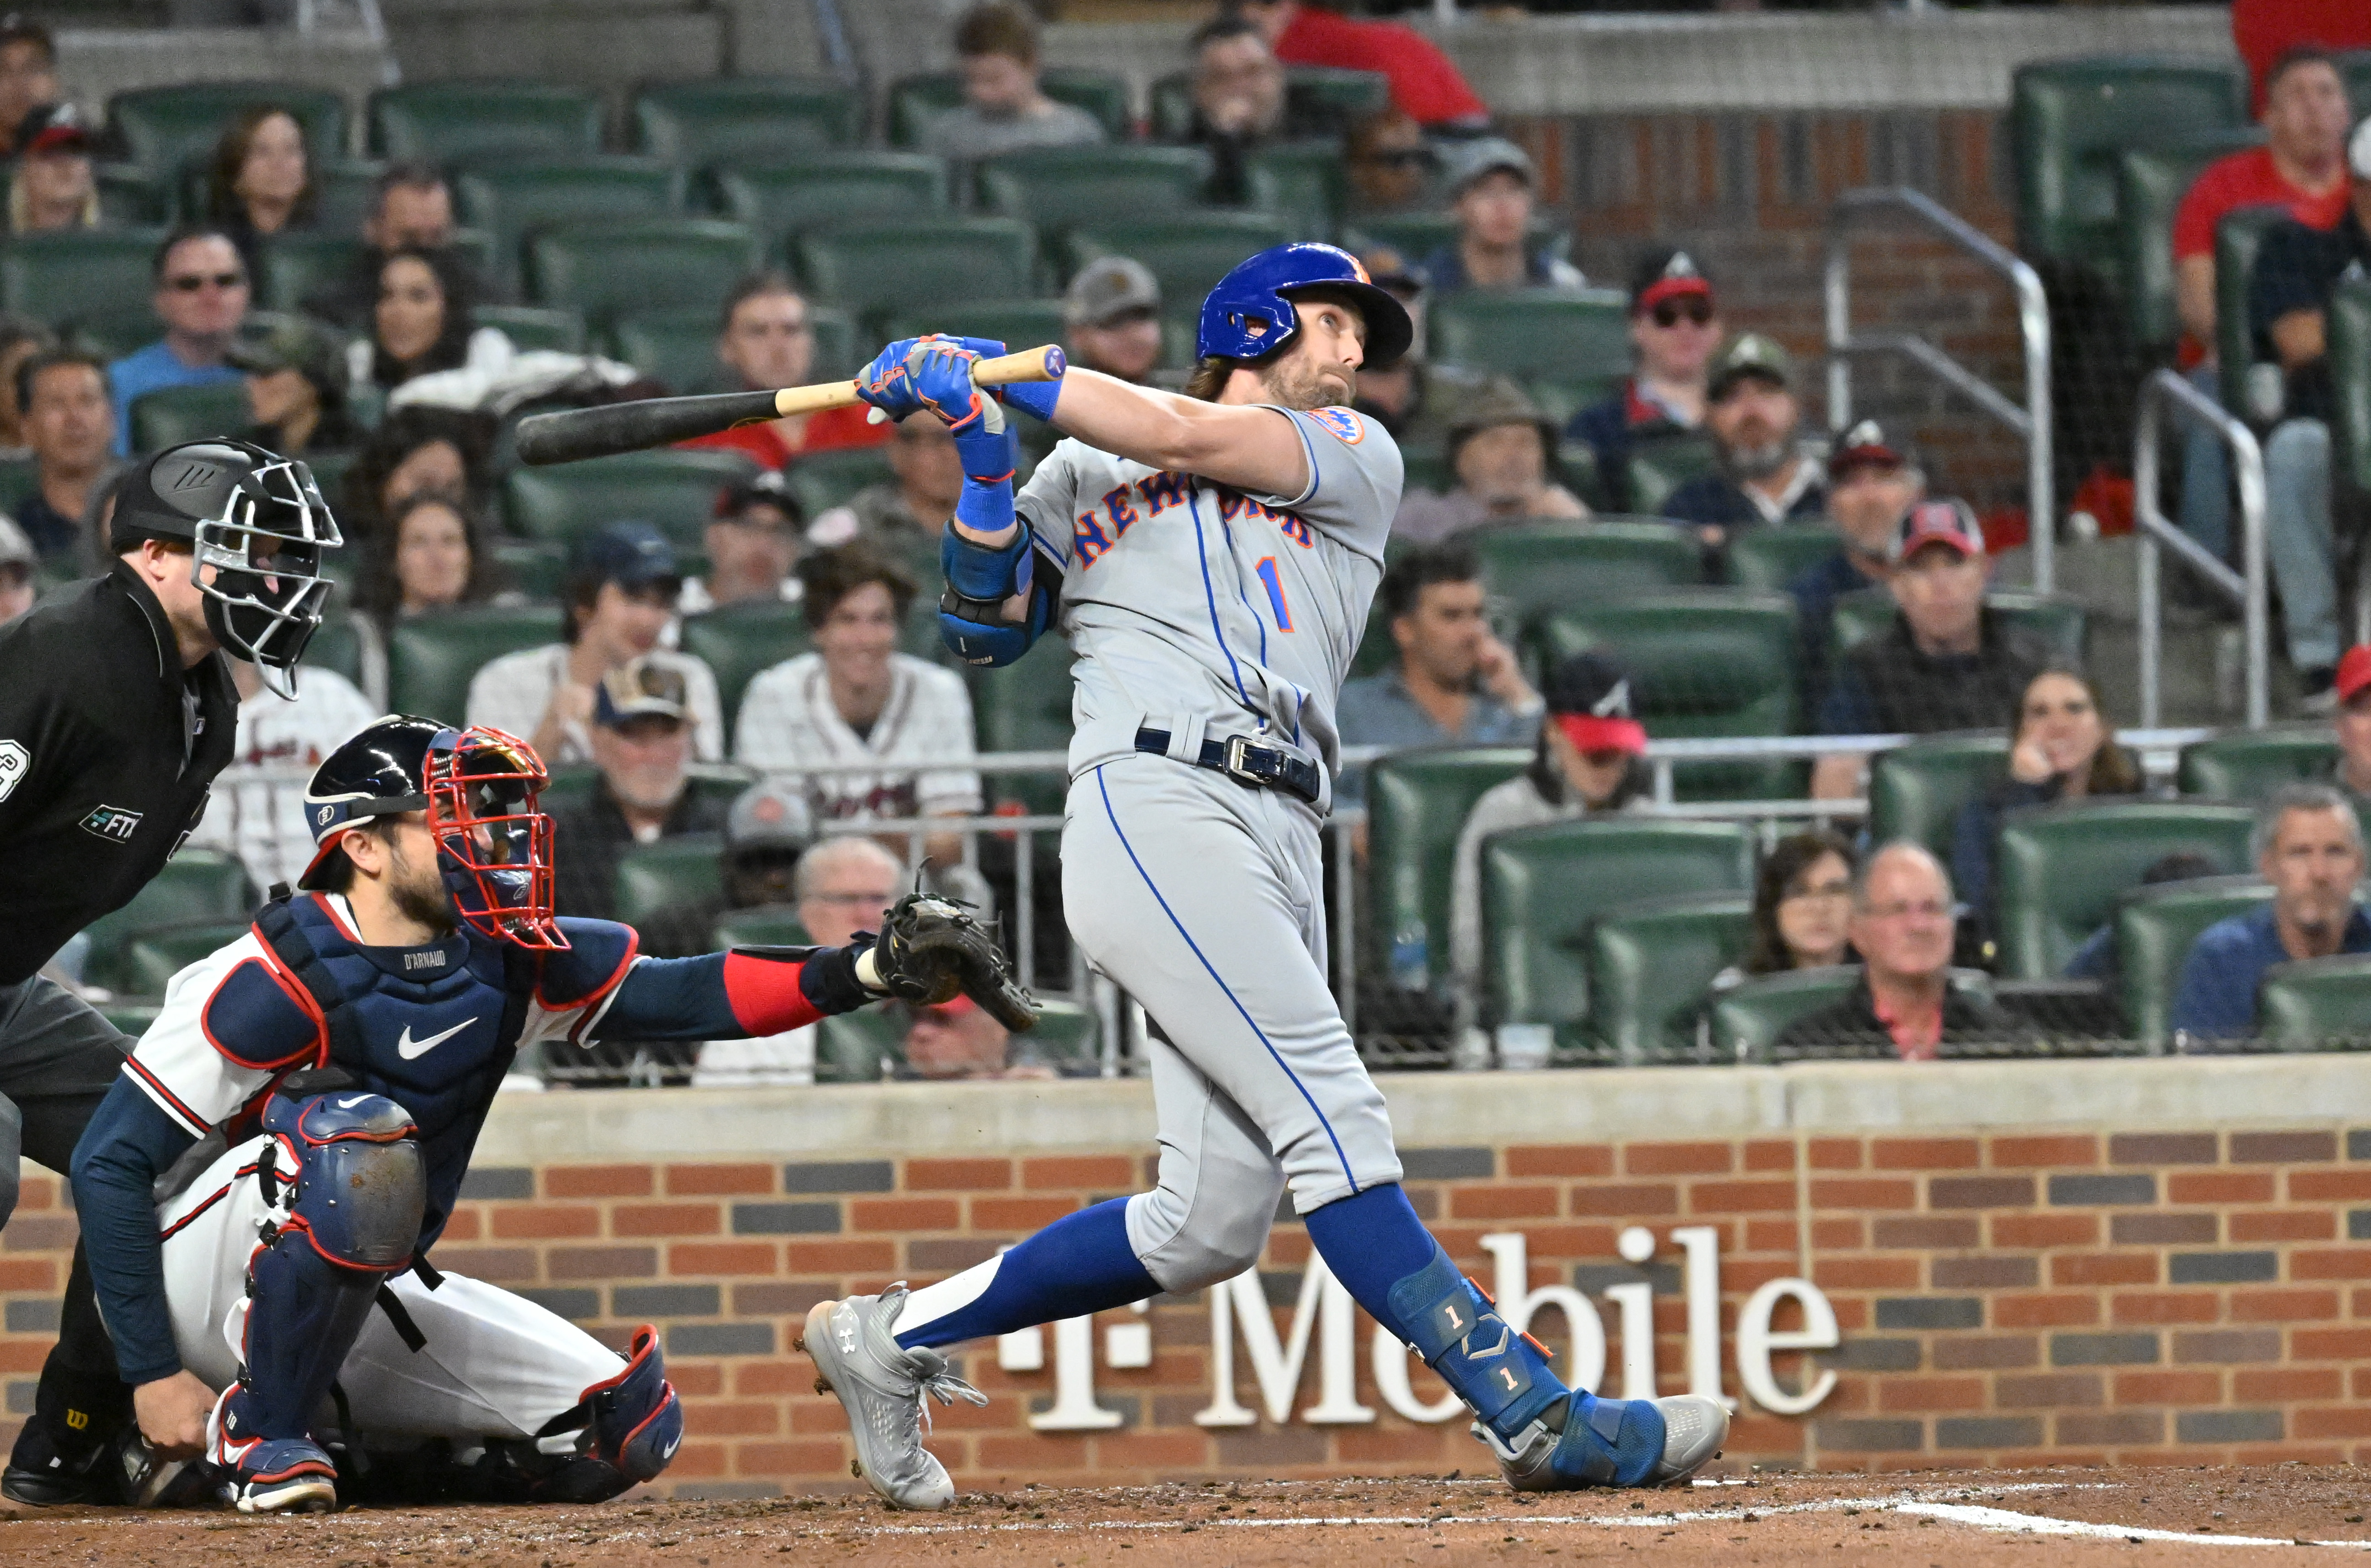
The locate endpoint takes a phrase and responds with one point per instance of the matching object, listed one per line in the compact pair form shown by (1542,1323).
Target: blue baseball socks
(1078,1265)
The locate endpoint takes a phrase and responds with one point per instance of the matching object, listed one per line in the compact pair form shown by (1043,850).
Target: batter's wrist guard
(1033,397)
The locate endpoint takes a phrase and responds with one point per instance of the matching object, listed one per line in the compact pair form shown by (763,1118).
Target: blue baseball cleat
(1615,1443)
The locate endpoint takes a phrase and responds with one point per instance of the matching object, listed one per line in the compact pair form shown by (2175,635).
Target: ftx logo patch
(112,823)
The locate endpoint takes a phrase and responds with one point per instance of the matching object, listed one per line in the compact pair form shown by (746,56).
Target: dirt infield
(1964,1519)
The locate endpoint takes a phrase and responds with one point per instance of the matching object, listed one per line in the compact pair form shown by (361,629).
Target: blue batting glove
(940,370)
(885,383)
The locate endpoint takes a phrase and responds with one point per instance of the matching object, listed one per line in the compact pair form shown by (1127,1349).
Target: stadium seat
(612,270)
(864,1046)
(430,659)
(19,478)
(460,121)
(827,478)
(1649,964)
(2059,624)
(197,887)
(741,641)
(1535,567)
(2318,1005)
(1015,323)
(881,267)
(97,279)
(541,327)
(1187,253)
(784,197)
(1541,886)
(746,119)
(1321,98)
(2349,329)
(177,414)
(338,645)
(2238,238)
(1916,791)
(1058,189)
(672,490)
(1025,706)
(131,197)
(2068,119)
(517,197)
(163,129)
(154,957)
(2062,868)
(2150,184)
(838,349)
(2246,764)
(675,348)
(914,99)
(1748,1018)
(1766,559)
(535,567)
(1066,1036)
(1660,468)
(768,924)
(294,265)
(1575,344)
(1302,182)
(669,874)
(1416,805)
(344,190)
(2155,928)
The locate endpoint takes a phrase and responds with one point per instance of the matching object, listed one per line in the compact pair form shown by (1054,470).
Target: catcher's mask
(494,841)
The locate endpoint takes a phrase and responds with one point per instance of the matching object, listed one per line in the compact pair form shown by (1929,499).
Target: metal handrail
(2032,422)
(2162,392)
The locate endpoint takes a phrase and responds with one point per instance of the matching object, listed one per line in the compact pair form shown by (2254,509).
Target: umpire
(116,710)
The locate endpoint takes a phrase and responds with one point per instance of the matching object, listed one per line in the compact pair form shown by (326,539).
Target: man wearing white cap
(17,590)
(1111,316)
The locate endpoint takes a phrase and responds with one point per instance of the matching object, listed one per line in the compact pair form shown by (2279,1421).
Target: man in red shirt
(1425,82)
(766,338)
(2264,30)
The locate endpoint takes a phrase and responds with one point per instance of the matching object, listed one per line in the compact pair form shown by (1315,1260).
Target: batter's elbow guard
(980,579)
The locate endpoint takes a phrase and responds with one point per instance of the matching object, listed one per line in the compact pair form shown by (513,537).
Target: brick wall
(2005,1297)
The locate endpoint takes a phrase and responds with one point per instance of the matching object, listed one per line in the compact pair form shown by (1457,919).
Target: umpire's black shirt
(106,746)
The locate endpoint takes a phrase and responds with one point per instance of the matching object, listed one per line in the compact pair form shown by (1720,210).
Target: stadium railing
(2166,399)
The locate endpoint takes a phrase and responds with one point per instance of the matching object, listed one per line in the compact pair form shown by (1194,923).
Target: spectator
(22,338)
(29,78)
(261,819)
(619,597)
(2309,847)
(1802,907)
(2096,959)
(1502,450)
(70,425)
(1411,397)
(958,1040)
(1003,110)
(2352,724)
(1454,683)
(1588,764)
(411,209)
(1491,188)
(1904,1006)
(430,557)
(2302,166)
(1763,474)
(422,324)
(202,297)
(2062,748)
(296,388)
(1425,82)
(1873,480)
(753,543)
(1111,317)
(2296,269)
(55,187)
(412,452)
(1238,101)
(842,886)
(642,746)
(1674,326)
(17,589)
(1947,662)
(2264,30)
(906,515)
(261,181)
(856,699)
(1389,161)
(765,335)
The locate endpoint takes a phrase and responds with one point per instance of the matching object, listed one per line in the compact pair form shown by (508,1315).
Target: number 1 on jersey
(1267,574)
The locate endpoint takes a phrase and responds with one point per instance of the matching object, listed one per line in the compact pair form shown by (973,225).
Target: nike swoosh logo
(350,1103)
(671,1448)
(408,1048)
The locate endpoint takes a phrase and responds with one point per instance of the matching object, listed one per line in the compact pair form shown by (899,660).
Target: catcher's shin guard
(634,1424)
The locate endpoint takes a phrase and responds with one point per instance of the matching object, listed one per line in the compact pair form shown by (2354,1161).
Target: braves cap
(772,815)
(2353,672)
(1948,522)
(1750,353)
(1108,288)
(632,555)
(1665,275)
(1867,446)
(2358,150)
(1589,695)
(767,487)
(55,128)
(640,688)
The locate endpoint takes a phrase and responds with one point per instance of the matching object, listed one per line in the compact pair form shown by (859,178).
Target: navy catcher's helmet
(1261,289)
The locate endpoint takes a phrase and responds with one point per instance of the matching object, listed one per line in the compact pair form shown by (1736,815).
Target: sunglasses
(1695,307)
(190,283)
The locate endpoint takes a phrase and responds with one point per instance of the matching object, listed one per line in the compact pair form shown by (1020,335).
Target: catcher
(263,1185)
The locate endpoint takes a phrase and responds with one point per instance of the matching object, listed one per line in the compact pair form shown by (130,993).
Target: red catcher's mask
(492,839)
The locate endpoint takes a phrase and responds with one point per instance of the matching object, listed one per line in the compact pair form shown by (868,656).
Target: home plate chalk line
(1929,1503)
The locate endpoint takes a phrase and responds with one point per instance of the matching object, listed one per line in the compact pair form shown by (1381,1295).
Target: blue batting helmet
(1249,314)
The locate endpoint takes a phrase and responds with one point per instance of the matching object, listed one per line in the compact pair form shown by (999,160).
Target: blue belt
(1247,762)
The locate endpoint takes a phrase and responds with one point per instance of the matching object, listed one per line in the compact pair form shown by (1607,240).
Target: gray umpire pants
(58,1058)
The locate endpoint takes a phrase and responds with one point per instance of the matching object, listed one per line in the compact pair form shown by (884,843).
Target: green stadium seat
(132,197)
(2150,184)
(162,129)
(741,641)
(338,645)
(1058,189)
(729,119)
(782,198)
(154,957)
(2155,928)
(98,279)
(675,348)
(669,874)
(1541,886)
(1576,342)
(1414,234)
(197,887)
(2062,868)
(344,191)
(537,568)
(1188,253)
(1535,567)
(882,267)
(460,121)
(295,264)
(2238,238)
(1416,805)
(2349,329)
(517,197)
(2318,1005)
(864,1046)
(1766,559)
(1066,1036)
(1916,791)
(19,478)
(1302,182)
(768,924)
(1332,96)
(1015,323)
(838,348)
(914,99)
(430,659)
(2069,119)
(672,490)
(540,326)
(2059,623)
(176,414)
(615,268)
(1748,1018)
(2246,764)
(1649,965)
(1660,468)
(1025,706)
(827,478)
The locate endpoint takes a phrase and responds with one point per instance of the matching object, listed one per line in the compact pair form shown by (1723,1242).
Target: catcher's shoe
(1618,1443)
(883,1386)
(267,1475)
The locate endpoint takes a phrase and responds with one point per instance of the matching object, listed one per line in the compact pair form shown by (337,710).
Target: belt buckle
(1239,765)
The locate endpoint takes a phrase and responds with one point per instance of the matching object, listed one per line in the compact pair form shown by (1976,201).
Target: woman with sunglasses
(1676,325)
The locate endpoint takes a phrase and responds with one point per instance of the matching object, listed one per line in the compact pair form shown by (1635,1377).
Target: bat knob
(1056,364)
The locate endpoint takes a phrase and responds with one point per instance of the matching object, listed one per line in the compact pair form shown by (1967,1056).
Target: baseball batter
(1210,557)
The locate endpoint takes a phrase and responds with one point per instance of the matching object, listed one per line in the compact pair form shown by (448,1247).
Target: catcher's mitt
(928,949)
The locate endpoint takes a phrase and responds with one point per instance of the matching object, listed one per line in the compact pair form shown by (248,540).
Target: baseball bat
(568,435)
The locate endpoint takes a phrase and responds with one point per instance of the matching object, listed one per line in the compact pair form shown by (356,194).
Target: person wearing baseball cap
(55,186)
(618,601)
(1761,474)
(1674,326)
(1502,450)
(296,385)
(1111,317)
(2351,769)
(1414,399)
(1873,479)
(1492,189)
(755,537)
(17,562)
(1946,662)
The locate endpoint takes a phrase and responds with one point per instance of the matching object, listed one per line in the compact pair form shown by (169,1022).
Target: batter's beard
(1295,384)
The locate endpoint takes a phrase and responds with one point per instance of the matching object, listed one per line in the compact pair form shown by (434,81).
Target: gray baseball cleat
(1604,1450)
(884,1385)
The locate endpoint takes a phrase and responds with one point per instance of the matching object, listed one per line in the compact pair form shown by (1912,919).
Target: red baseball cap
(1939,523)
(1666,276)
(1589,695)
(53,128)
(2353,672)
